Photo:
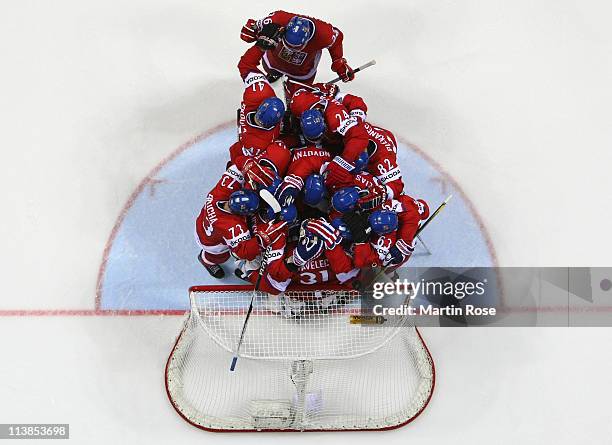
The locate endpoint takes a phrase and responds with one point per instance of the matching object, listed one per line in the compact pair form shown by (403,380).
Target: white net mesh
(303,365)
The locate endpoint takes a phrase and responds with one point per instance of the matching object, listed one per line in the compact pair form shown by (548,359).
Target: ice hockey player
(317,258)
(322,118)
(382,146)
(258,153)
(259,117)
(373,251)
(305,162)
(385,237)
(411,213)
(291,44)
(382,159)
(365,193)
(221,226)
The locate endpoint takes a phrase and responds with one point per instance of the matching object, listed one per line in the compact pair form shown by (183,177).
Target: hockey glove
(372,197)
(257,174)
(338,174)
(323,230)
(344,71)
(399,253)
(249,31)
(289,189)
(271,233)
(269,36)
(328,89)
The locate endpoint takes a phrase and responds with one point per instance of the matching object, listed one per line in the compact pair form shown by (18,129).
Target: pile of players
(334,176)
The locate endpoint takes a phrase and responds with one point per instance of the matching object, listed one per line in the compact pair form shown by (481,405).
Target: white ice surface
(511,98)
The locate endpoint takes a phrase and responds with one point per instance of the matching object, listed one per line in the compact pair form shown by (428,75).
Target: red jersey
(297,63)
(382,151)
(307,160)
(331,266)
(252,138)
(410,213)
(338,122)
(373,253)
(217,228)
(334,266)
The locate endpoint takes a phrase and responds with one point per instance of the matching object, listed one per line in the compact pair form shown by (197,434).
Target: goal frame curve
(249,288)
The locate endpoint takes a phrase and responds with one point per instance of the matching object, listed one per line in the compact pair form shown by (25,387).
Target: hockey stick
(424,245)
(337,79)
(262,269)
(274,204)
(438,210)
(300,84)
(269,199)
(355,71)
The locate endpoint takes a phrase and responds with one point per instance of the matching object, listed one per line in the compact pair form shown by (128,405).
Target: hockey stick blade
(355,71)
(270,200)
(433,215)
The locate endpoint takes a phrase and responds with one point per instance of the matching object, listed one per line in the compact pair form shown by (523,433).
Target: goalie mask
(309,246)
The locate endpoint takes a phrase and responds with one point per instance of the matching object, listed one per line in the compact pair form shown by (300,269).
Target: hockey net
(307,362)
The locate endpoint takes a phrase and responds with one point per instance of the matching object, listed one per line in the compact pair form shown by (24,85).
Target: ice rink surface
(509,99)
(143,270)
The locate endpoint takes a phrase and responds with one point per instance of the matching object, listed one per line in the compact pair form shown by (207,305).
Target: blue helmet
(313,189)
(345,200)
(298,31)
(270,112)
(361,162)
(342,228)
(243,202)
(383,221)
(287,214)
(313,124)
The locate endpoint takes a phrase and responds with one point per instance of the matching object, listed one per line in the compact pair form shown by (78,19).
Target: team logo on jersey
(208,229)
(292,56)
(390,176)
(420,206)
